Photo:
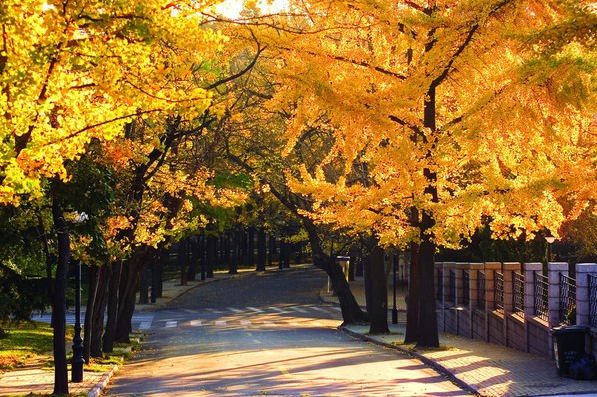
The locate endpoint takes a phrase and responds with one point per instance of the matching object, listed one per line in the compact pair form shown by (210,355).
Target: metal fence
(439,290)
(466,287)
(481,290)
(592,300)
(499,291)
(540,285)
(567,299)
(518,292)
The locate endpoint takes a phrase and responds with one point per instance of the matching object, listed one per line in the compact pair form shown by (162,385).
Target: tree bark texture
(261,250)
(113,290)
(99,309)
(59,303)
(128,290)
(251,247)
(351,311)
(412,308)
(94,276)
(211,255)
(377,283)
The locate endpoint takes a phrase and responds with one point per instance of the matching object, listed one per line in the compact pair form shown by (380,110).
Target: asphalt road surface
(265,335)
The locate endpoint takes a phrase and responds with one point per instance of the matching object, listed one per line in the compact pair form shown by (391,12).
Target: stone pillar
(553,291)
(447,266)
(459,269)
(439,266)
(582,291)
(508,269)
(529,299)
(529,287)
(474,294)
(490,269)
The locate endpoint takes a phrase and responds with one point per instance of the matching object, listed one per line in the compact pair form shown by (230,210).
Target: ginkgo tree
(446,116)
(71,72)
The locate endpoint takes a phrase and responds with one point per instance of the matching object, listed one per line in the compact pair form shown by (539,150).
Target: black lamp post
(77,362)
(550,240)
(394,309)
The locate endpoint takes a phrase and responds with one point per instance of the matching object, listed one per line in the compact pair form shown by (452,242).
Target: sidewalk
(482,368)
(34,379)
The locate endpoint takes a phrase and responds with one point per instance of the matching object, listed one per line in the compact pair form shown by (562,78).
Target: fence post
(553,291)
(460,268)
(508,270)
(529,288)
(474,293)
(447,293)
(490,269)
(439,295)
(529,298)
(582,291)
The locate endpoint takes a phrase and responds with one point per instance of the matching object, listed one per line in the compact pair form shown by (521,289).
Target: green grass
(25,341)
(31,342)
(412,347)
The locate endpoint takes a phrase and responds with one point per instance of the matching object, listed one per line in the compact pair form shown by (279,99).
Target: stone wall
(480,301)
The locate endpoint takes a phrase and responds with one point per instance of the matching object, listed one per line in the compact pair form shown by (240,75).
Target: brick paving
(35,379)
(485,368)
(488,369)
(41,381)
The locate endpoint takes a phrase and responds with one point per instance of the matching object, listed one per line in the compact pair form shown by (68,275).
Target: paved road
(266,335)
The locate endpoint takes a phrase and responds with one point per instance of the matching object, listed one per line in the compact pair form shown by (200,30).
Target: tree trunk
(261,250)
(351,311)
(94,275)
(193,260)
(244,249)
(182,261)
(353,253)
(202,254)
(126,301)
(377,282)
(251,248)
(210,255)
(272,250)
(59,303)
(144,286)
(50,259)
(113,290)
(233,257)
(298,252)
(428,334)
(412,308)
(97,323)
(226,246)
(161,263)
(284,254)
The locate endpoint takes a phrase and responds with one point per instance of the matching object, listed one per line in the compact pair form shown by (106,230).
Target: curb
(451,375)
(101,385)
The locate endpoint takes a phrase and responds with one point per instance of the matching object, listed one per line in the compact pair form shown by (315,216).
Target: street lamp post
(550,240)
(394,309)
